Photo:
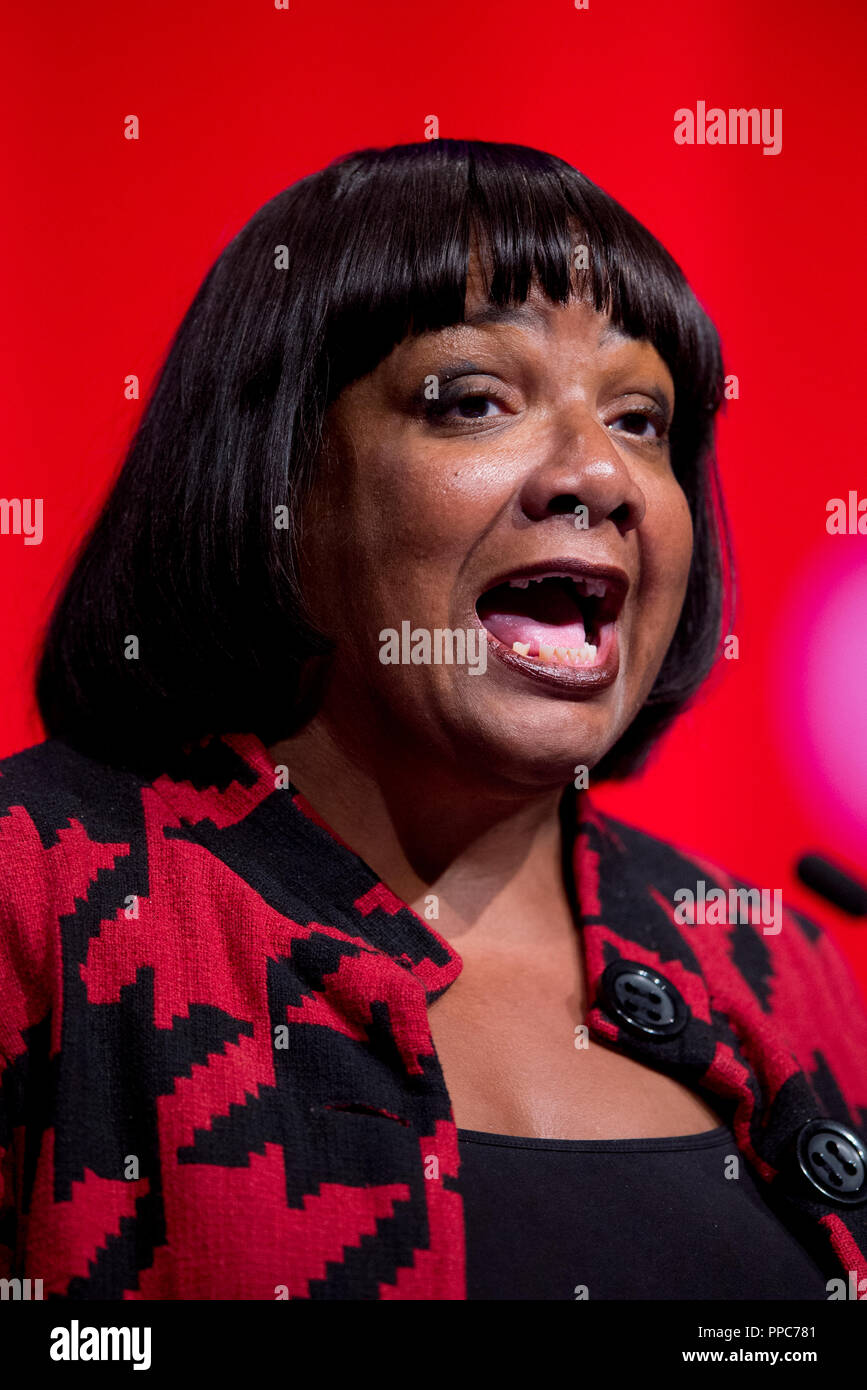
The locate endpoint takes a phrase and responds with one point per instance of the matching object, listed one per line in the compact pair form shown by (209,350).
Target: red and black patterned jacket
(218,1079)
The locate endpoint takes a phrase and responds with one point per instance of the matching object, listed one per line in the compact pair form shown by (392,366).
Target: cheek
(669,548)
(666,553)
(388,535)
(421,516)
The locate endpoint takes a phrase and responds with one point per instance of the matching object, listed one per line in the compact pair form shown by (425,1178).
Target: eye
(645,423)
(467,405)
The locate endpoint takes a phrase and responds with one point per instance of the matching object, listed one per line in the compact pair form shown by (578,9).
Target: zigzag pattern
(217,1078)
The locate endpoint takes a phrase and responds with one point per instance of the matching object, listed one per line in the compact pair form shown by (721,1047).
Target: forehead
(537,311)
(539,315)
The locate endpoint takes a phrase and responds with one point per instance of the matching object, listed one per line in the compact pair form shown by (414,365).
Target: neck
(490,856)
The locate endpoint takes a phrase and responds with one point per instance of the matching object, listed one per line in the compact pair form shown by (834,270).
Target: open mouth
(559,619)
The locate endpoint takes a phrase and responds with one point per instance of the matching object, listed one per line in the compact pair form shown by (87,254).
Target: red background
(108,240)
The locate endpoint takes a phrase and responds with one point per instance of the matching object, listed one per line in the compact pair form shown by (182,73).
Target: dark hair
(312,294)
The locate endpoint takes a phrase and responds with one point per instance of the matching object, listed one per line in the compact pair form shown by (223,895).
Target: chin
(536,747)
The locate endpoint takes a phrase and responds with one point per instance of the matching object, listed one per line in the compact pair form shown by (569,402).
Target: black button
(833,1160)
(642,1000)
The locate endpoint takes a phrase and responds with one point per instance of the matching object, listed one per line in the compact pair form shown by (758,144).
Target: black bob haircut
(313,293)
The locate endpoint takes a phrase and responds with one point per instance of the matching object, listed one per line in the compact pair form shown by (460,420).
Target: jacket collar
(228,793)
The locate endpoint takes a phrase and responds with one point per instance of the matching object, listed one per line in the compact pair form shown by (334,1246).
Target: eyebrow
(525,314)
(530,313)
(507,313)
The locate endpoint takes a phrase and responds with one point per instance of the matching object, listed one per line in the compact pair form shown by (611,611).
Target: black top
(624,1218)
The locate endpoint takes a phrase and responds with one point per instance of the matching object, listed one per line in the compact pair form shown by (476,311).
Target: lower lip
(561,678)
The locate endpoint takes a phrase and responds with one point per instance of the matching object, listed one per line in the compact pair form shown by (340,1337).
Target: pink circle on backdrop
(820,663)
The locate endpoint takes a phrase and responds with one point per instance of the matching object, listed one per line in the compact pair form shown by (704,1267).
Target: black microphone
(833,883)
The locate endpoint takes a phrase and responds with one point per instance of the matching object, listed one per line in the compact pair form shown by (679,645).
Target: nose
(583,466)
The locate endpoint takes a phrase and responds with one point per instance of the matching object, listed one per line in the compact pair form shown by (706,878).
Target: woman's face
(447,514)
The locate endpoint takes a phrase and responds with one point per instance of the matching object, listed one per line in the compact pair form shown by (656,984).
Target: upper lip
(615,579)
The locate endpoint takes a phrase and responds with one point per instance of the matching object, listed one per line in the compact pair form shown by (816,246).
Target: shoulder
(699,888)
(56,806)
(52,781)
(64,818)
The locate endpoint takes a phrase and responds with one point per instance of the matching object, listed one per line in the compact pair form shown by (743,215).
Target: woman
(319,978)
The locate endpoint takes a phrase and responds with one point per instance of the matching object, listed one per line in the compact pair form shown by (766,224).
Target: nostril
(564,503)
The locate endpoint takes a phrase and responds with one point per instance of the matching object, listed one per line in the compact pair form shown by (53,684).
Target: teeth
(591,587)
(585,655)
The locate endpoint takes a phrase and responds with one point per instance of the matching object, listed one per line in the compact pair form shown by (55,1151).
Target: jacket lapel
(732,1047)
